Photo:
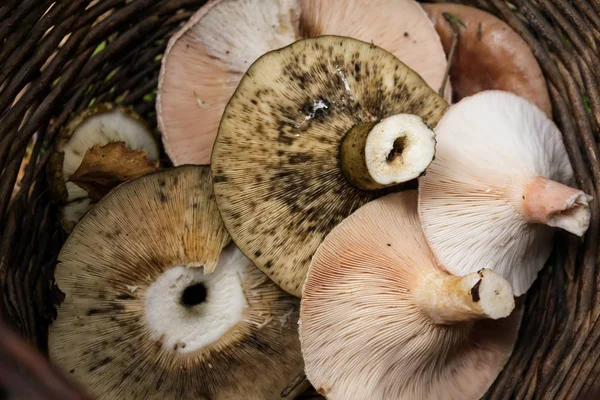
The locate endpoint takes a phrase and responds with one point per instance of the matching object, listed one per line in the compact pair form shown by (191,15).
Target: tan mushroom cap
(98,125)
(276,161)
(206,59)
(381,320)
(489,56)
(499,184)
(142,320)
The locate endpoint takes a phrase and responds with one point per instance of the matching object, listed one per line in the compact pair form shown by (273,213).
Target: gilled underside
(378,342)
(121,339)
(275,163)
(476,200)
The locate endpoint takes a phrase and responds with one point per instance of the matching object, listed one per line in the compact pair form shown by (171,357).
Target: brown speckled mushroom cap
(489,56)
(276,164)
(98,125)
(381,320)
(206,59)
(140,320)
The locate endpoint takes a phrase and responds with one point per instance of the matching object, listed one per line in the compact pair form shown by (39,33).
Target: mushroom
(206,59)
(142,319)
(307,123)
(379,319)
(99,125)
(499,184)
(489,55)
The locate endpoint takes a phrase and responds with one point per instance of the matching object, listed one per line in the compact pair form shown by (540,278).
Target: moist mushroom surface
(489,55)
(279,181)
(381,320)
(155,309)
(205,61)
(99,125)
(498,187)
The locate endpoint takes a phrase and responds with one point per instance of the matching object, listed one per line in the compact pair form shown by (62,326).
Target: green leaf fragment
(586,102)
(454,18)
(111,74)
(99,48)
(150,97)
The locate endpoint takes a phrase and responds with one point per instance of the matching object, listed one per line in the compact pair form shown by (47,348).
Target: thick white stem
(399,148)
(449,299)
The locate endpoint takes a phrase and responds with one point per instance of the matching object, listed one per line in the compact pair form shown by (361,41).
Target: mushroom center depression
(193,295)
(396,153)
(187,310)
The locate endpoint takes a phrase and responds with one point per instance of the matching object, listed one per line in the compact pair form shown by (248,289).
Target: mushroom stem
(448,299)
(397,149)
(554,204)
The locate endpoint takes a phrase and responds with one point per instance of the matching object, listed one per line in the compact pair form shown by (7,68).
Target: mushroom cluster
(206,59)
(339,174)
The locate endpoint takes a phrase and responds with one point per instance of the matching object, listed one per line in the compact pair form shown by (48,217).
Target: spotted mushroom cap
(275,163)
(142,320)
(362,331)
(489,56)
(490,147)
(206,59)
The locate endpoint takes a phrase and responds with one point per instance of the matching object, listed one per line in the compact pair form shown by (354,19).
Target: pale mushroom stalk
(549,202)
(448,299)
(379,154)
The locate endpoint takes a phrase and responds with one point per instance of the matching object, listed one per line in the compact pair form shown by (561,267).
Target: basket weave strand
(55,61)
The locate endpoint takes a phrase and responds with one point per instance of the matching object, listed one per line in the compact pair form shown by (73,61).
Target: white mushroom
(499,182)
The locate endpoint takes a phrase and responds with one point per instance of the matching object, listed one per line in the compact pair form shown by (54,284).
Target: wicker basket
(110,50)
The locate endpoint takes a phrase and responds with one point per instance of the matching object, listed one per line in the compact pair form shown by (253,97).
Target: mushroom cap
(101,124)
(401,27)
(489,56)
(206,59)
(139,321)
(275,163)
(363,335)
(489,146)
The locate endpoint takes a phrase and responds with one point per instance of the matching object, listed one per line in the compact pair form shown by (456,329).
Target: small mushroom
(381,320)
(489,55)
(206,59)
(314,131)
(500,182)
(97,126)
(142,319)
